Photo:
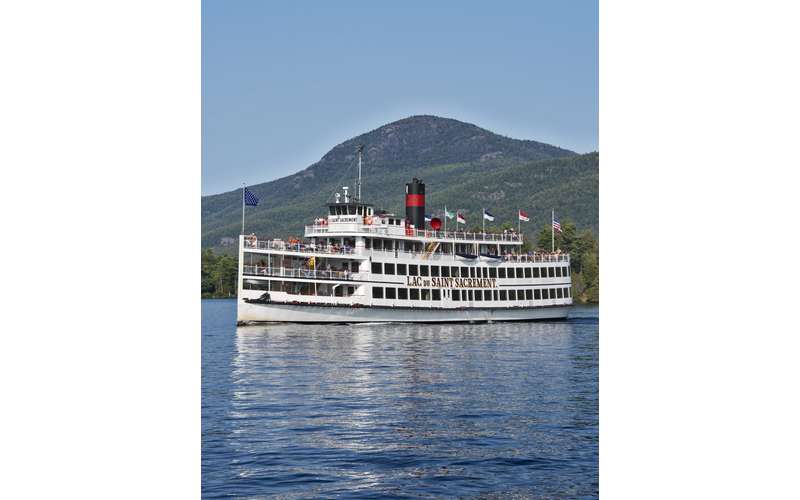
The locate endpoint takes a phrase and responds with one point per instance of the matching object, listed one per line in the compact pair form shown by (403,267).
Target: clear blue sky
(284,82)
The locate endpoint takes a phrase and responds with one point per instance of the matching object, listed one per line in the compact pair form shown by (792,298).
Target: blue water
(399,411)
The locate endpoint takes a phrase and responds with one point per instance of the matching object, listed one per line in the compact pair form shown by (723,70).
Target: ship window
(551,272)
(567,292)
(301,288)
(256,285)
(485,272)
(414,294)
(388,268)
(568,271)
(377,292)
(495,295)
(560,292)
(465,272)
(552,293)
(537,294)
(478,295)
(350,290)
(492,272)
(437,294)
(435,271)
(545,296)
(445,271)
(529,294)
(456,296)
(331,211)
(471,272)
(558,272)
(469,294)
(401,269)
(501,272)
(423,270)
(376,268)
(360,210)
(503,295)
(487,295)
(527,272)
(512,295)
(402,293)
(454,271)
(426,293)
(367,243)
(377,244)
(535,272)
(412,270)
(391,293)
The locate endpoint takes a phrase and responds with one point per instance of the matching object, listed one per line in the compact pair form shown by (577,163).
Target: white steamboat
(359,265)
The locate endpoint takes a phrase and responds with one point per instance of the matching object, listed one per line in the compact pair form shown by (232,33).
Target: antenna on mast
(358,184)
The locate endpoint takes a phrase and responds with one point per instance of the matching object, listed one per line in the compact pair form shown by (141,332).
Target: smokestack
(415,203)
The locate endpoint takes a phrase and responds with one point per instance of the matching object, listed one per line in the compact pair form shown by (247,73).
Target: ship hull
(300,313)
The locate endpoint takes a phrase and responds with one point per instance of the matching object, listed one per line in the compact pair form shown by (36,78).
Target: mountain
(463,166)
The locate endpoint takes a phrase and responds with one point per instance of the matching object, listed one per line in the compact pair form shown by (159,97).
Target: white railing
(283,272)
(300,247)
(537,257)
(532,257)
(388,230)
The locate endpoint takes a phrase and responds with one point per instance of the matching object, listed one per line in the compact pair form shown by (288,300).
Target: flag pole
(553,231)
(519,223)
(243,188)
(483,221)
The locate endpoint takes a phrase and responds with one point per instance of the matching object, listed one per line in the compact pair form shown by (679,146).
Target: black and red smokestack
(415,203)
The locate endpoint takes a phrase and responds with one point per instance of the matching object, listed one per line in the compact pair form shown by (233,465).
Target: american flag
(556,225)
(250,198)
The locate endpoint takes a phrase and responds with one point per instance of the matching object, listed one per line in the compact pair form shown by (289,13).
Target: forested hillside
(463,166)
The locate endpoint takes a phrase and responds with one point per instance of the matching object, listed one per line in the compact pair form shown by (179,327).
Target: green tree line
(217,275)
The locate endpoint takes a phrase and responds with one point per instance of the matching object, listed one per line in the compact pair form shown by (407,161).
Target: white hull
(289,313)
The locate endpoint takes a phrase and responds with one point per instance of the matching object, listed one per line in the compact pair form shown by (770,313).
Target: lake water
(399,411)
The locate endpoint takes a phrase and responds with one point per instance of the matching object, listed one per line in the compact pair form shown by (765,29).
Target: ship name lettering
(440,282)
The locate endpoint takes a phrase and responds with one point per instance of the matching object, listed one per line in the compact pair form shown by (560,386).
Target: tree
(218,274)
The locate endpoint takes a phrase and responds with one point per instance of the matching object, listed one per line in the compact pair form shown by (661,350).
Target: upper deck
(385,229)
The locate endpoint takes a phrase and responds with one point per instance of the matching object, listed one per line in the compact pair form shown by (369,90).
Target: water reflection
(436,409)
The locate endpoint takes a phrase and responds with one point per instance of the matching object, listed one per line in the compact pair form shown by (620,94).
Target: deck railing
(532,257)
(283,272)
(387,230)
(301,247)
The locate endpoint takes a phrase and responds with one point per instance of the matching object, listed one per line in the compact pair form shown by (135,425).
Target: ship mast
(358,183)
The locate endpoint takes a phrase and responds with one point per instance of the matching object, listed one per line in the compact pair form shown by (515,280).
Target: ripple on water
(399,411)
